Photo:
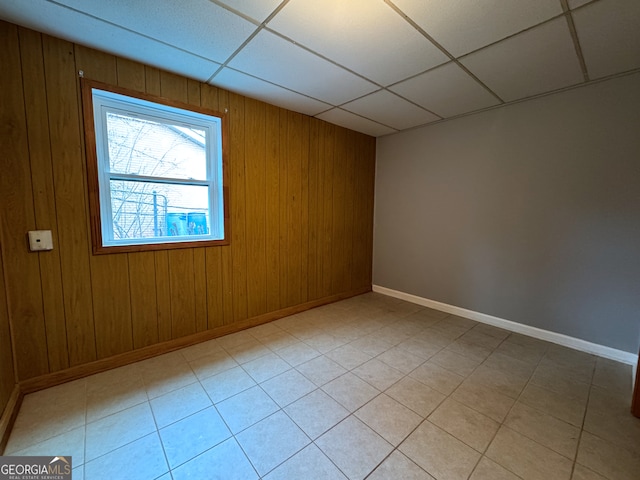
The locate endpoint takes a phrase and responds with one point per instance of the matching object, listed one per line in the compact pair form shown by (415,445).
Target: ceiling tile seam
(120,27)
(442,49)
(358,115)
(575,39)
(414,103)
(246,42)
(281,86)
(529,98)
(508,37)
(392,93)
(580,7)
(411,77)
(367,118)
(239,13)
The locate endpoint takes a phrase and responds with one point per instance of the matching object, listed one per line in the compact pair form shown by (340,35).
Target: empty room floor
(370,387)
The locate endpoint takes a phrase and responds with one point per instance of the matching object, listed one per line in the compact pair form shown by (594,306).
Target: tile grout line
(502,423)
(483,453)
(368,328)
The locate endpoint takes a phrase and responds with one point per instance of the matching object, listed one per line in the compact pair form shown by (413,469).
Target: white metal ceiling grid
(376,66)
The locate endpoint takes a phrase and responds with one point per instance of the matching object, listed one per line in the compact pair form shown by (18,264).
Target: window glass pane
(151,210)
(140,146)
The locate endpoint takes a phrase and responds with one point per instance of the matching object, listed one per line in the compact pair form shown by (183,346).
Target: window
(156,176)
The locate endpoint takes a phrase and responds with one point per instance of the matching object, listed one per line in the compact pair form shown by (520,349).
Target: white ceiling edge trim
(553,337)
(521,100)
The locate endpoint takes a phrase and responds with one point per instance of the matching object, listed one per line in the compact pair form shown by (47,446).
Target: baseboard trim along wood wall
(52,379)
(9,415)
(558,338)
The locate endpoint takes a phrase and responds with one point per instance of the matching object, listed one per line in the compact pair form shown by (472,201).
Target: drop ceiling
(375,66)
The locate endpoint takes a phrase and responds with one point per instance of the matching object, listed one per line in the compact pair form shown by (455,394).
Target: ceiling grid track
(251,37)
(374,66)
(442,49)
(574,37)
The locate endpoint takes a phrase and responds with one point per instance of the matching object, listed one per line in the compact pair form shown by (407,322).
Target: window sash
(106,101)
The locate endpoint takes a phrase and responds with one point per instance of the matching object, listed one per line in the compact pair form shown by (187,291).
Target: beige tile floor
(370,387)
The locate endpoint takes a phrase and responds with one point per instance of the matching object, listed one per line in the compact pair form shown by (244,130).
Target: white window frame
(104,99)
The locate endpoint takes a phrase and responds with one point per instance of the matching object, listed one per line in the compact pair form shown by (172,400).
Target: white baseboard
(558,338)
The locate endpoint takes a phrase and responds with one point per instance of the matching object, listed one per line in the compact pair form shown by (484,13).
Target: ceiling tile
(388,109)
(447,91)
(259,10)
(354,122)
(465,25)
(203,28)
(279,61)
(577,3)
(609,34)
(82,29)
(365,36)
(539,60)
(267,92)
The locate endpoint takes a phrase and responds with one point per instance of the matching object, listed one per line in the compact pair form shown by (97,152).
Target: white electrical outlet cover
(40,240)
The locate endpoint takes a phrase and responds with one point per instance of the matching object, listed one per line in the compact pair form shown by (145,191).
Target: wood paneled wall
(7,376)
(301,204)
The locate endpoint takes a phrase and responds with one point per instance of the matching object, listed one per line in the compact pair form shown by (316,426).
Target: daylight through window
(159,172)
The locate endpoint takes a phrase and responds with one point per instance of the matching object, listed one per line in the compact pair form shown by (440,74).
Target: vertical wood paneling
(313,264)
(327,234)
(225,252)
(71,197)
(283,208)
(358,269)
(365,240)
(193,92)
(297,205)
(35,104)
(161,266)
(300,205)
(130,74)
(303,287)
(200,289)
(13,142)
(238,207)
(272,206)
(111,304)
(209,98)
(256,207)
(144,310)
(181,281)
(215,311)
(7,375)
(339,236)
(294,208)
(111,290)
(181,272)
(142,268)
(362,239)
(348,153)
(163,295)
(199,254)
(16,203)
(152,80)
